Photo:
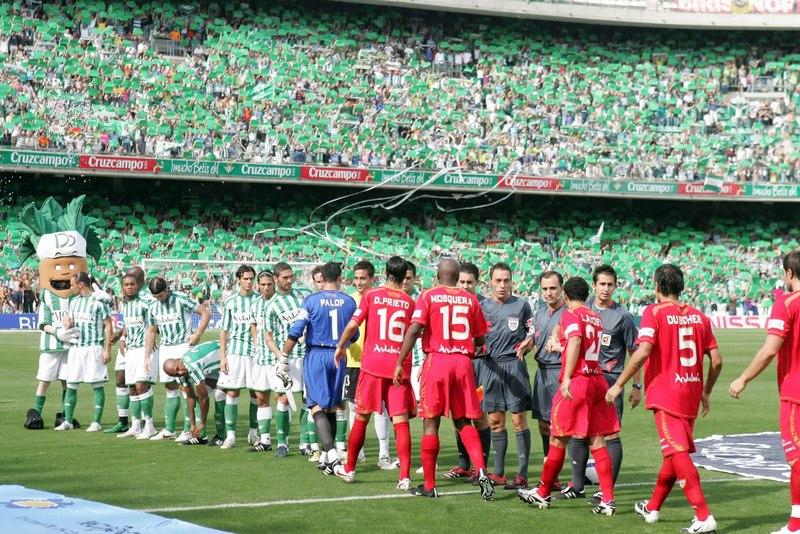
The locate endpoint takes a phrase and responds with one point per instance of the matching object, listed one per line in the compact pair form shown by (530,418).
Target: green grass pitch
(153,475)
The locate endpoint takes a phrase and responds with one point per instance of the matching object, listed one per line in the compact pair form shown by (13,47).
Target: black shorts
(506,386)
(545,386)
(350,383)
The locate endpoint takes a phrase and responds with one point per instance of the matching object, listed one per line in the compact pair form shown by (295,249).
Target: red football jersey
(783,322)
(452,319)
(673,374)
(388,314)
(586,325)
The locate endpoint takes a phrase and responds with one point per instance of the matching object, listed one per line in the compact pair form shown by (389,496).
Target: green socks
(99,403)
(253,413)
(70,400)
(123,404)
(219,417)
(303,425)
(171,407)
(311,427)
(146,403)
(231,413)
(282,423)
(135,408)
(38,403)
(264,419)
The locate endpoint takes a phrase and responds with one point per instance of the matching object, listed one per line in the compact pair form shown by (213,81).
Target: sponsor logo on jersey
(36,503)
(686,379)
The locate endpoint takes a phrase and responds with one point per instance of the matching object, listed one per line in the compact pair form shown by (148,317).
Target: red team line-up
(674,339)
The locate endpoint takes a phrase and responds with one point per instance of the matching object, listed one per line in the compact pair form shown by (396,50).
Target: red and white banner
(697,188)
(530,183)
(334,174)
(116,163)
(740,321)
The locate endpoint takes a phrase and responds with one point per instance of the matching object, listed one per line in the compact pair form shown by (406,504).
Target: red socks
(402,439)
(687,472)
(794,493)
(552,467)
(605,474)
(664,484)
(472,442)
(427,455)
(355,443)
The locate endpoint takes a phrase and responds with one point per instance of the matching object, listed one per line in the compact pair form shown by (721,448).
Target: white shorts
(258,377)
(85,365)
(164,353)
(238,372)
(134,367)
(119,361)
(52,366)
(295,371)
(415,380)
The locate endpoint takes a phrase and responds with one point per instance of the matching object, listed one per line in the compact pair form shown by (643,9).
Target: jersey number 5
(686,342)
(459,318)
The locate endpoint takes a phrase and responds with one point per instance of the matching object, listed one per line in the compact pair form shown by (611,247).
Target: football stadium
(400,266)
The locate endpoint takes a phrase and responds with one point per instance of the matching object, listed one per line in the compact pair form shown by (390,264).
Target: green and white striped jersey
(202,361)
(281,314)
(261,351)
(88,315)
(237,318)
(173,317)
(52,309)
(136,316)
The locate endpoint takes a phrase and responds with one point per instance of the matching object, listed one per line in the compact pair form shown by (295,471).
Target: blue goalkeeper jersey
(323,317)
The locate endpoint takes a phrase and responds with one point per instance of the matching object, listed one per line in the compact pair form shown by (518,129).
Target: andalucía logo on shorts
(513,323)
(36,503)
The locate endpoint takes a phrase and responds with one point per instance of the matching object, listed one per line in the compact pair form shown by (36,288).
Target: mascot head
(62,239)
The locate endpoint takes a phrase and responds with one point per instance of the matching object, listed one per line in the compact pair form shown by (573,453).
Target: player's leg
(368,399)
(341,430)
(282,424)
(428,452)
(602,463)
(252,431)
(613,442)
(135,403)
(401,405)
(219,417)
(665,481)
(522,435)
(50,364)
(578,449)
(259,385)
(382,420)
(144,391)
(33,419)
(70,402)
(96,374)
(122,395)
(231,417)
(355,442)
(791,447)
(794,494)
(497,422)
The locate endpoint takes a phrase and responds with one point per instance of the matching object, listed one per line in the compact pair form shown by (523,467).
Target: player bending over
(196,373)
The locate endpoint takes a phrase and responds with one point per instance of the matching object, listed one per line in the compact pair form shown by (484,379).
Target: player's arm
(570,362)
(149,345)
(295,332)
(108,326)
(714,369)
(344,340)
(635,397)
(633,367)
(413,332)
(760,362)
(223,350)
(205,317)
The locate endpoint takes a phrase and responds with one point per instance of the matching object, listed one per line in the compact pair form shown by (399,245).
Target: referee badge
(513,323)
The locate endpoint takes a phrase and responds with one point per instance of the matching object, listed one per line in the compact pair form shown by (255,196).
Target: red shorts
(373,391)
(675,434)
(587,413)
(790,430)
(447,387)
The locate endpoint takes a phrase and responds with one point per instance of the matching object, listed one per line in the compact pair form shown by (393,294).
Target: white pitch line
(403,495)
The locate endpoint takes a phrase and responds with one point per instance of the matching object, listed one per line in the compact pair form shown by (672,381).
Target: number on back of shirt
(455,322)
(687,347)
(392,327)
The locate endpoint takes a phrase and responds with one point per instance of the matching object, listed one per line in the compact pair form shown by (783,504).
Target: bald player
(452,326)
